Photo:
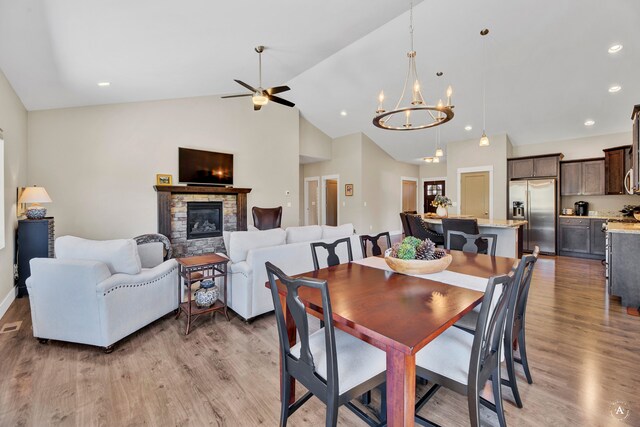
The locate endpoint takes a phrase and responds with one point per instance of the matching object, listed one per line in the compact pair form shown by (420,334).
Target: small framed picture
(164,179)
(348,189)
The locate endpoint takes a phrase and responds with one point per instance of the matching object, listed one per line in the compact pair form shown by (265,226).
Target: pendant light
(439,151)
(484,140)
(424,115)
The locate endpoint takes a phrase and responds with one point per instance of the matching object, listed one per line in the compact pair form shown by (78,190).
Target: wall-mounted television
(204,167)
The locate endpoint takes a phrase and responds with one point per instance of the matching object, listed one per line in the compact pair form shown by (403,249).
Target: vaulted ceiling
(548,69)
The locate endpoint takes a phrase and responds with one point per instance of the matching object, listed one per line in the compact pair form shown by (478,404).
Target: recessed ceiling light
(343,113)
(468,128)
(615,48)
(589,123)
(104,84)
(614,89)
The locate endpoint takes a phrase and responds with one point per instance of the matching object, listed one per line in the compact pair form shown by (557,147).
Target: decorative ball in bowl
(415,256)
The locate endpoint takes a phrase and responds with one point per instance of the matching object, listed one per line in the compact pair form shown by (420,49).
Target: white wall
(98,164)
(13,120)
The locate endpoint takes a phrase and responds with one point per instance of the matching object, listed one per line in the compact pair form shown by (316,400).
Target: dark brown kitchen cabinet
(617,164)
(582,237)
(582,177)
(534,167)
(635,153)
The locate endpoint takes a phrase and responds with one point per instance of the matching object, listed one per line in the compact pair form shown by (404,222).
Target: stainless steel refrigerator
(534,200)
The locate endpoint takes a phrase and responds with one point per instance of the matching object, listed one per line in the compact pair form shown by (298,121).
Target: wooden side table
(197,268)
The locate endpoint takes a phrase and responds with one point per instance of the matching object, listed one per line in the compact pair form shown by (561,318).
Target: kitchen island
(509,232)
(623,258)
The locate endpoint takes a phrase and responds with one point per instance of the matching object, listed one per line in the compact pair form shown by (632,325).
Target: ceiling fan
(261,96)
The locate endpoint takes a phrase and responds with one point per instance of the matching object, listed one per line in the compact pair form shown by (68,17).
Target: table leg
(401,388)
(226,314)
(189,303)
(291,333)
(179,291)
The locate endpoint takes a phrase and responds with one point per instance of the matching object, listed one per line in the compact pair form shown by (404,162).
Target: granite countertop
(496,223)
(624,227)
(593,216)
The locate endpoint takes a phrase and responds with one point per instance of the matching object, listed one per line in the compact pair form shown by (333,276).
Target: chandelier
(417,113)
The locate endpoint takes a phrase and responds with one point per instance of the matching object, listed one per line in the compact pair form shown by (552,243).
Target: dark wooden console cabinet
(34,239)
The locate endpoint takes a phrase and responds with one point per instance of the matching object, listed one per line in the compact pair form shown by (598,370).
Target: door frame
(323,196)
(488,168)
(417,181)
(423,180)
(306,198)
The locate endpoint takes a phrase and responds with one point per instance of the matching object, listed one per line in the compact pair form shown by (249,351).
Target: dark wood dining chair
(332,258)
(267,218)
(474,243)
(463,362)
(514,329)
(468,226)
(329,363)
(375,247)
(405,225)
(420,230)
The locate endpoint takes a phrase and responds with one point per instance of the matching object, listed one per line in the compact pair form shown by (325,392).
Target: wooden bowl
(417,266)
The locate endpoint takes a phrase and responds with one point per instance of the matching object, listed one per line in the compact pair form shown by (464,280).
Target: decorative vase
(207,294)
(35,212)
(441,211)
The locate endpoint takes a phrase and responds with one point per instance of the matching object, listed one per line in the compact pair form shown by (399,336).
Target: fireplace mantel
(164,202)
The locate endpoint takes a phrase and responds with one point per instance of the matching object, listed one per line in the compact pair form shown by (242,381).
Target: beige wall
(381,182)
(467,154)
(313,142)
(99,163)
(582,148)
(13,121)
(346,155)
(376,180)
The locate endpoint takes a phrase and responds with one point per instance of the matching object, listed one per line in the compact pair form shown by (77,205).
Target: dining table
(398,313)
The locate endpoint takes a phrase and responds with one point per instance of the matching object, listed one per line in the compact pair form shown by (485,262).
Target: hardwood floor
(583,348)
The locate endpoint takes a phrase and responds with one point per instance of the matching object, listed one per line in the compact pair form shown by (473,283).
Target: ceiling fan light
(439,152)
(259,99)
(484,141)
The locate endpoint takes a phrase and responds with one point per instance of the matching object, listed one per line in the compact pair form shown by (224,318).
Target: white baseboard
(6,302)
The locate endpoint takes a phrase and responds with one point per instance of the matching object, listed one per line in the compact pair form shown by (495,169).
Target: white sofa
(98,292)
(288,249)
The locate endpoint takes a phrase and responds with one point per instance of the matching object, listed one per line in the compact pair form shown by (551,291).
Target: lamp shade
(34,195)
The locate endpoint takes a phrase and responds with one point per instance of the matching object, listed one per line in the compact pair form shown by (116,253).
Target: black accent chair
(420,230)
(463,362)
(267,218)
(375,248)
(473,241)
(467,226)
(332,258)
(329,363)
(514,330)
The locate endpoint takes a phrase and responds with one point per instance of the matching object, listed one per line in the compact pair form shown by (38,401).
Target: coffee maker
(582,208)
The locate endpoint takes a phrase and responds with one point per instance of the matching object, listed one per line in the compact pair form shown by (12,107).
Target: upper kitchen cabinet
(546,166)
(635,162)
(582,177)
(617,163)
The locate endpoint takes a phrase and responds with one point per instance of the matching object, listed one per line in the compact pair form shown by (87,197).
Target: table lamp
(35,195)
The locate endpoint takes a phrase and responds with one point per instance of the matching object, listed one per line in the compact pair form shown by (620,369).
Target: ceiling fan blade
(256,107)
(277,89)
(237,96)
(241,83)
(280,100)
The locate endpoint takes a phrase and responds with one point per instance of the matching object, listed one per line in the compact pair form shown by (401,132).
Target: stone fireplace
(204,219)
(193,218)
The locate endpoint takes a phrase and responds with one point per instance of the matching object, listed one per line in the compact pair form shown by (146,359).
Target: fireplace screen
(204,219)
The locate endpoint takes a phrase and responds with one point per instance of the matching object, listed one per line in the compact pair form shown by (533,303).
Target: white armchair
(98,292)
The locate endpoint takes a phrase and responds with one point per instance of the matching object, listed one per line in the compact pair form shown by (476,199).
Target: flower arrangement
(414,248)
(441,202)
